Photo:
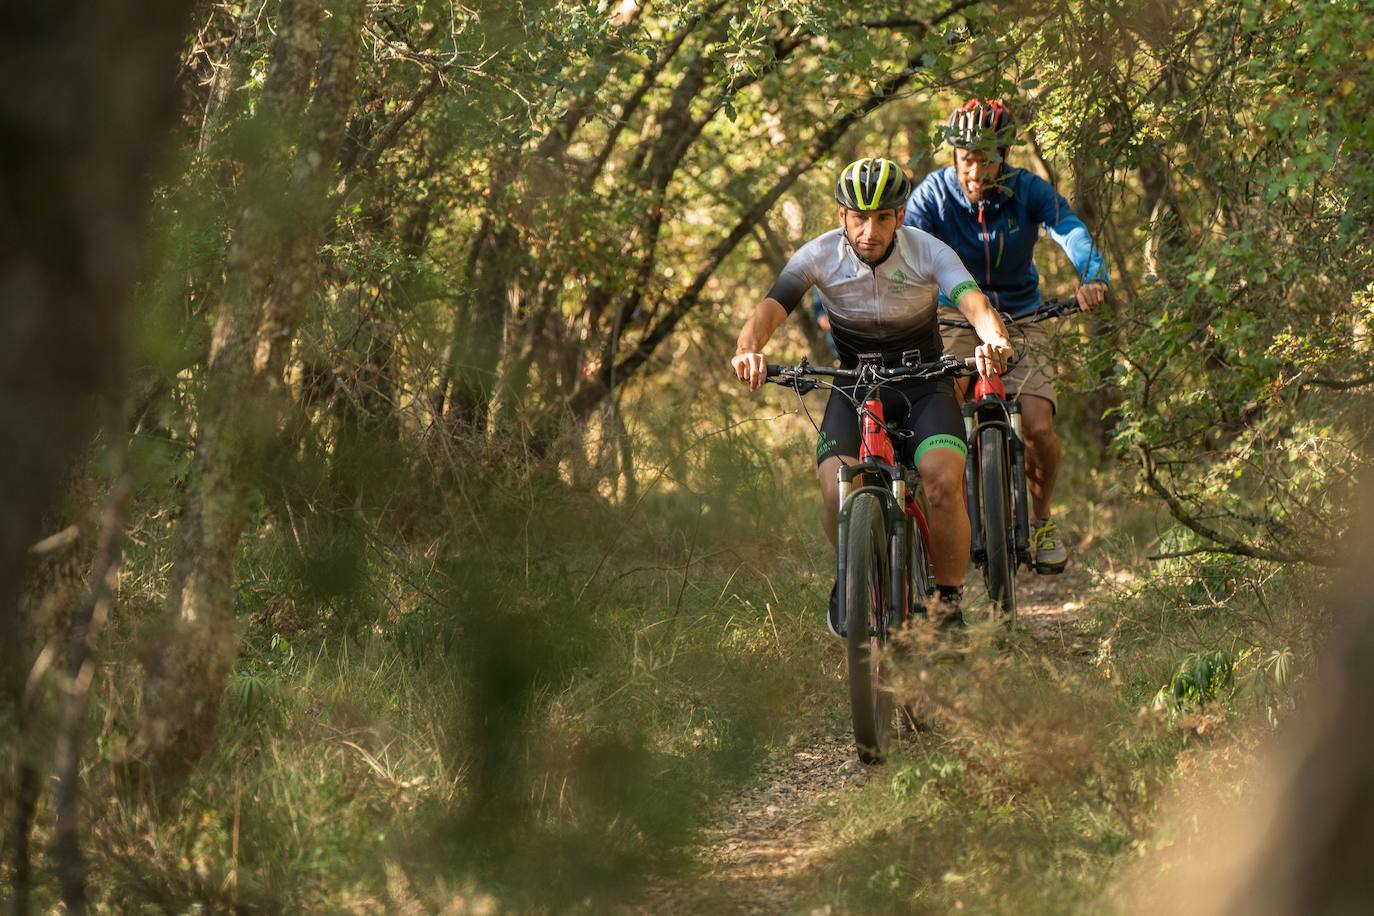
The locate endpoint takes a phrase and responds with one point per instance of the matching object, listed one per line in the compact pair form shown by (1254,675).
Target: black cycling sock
(950,596)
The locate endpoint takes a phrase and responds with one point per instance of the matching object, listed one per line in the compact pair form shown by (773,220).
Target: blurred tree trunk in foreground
(90,98)
(1301,841)
(272,268)
(1314,856)
(78,138)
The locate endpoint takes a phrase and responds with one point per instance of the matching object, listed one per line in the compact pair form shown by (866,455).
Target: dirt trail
(771,833)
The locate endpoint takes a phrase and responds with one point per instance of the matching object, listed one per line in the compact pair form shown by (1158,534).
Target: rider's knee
(942,477)
(827,473)
(1037,420)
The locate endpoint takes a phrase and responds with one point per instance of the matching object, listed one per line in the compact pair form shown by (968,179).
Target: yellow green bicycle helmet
(872,184)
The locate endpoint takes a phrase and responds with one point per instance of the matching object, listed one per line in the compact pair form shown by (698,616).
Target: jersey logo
(898,277)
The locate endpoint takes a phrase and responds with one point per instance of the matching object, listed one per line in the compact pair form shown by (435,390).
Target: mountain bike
(883,564)
(995,474)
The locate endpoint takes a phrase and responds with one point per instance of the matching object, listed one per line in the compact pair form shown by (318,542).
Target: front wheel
(867,599)
(920,585)
(998,538)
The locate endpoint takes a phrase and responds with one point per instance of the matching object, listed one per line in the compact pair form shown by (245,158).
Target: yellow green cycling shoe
(1047,548)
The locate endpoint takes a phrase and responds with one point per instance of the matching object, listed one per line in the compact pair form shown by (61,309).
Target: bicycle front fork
(1020,496)
(1016,454)
(975,512)
(893,498)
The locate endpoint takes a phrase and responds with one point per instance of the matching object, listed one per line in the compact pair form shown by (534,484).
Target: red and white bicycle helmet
(981,124)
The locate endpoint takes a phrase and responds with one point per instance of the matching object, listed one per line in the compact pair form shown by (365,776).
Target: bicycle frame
(892,483)
(896,494)
(990,407)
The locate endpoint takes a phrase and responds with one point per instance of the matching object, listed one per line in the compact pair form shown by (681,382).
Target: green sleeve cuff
(958,292)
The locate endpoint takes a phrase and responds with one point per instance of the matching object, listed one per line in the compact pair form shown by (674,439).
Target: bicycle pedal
(1046,569)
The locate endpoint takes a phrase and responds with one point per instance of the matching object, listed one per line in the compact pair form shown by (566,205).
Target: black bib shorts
(925,409)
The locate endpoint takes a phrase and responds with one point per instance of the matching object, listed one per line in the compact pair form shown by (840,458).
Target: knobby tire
(867,587)
(920,585)
(1000,570)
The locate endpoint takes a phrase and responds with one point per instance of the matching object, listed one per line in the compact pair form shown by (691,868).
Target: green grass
(547,726)
(545,716)
(1051,775)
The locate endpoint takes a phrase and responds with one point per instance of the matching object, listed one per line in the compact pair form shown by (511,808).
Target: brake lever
(797,384)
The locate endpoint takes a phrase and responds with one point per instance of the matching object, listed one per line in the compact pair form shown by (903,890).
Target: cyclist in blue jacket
(990,213)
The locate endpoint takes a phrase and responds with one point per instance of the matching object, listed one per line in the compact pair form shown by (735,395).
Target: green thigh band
(944,440)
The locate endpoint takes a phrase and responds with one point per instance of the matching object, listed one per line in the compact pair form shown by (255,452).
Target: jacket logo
(898,277)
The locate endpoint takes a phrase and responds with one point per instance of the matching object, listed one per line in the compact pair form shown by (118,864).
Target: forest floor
(767,845)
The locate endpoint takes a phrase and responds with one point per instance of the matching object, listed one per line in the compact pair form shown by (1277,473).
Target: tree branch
(388,134)
(591,391)
(1339,384)
(650,77)
(1222,542)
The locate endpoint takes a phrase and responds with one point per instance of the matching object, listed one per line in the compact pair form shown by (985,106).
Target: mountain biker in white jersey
(879,282)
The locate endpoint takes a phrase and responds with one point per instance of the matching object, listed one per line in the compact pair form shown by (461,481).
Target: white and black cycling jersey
(886,308)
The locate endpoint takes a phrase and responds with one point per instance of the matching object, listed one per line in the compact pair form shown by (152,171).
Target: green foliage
(1251,203)
(1200,679)
(505,632)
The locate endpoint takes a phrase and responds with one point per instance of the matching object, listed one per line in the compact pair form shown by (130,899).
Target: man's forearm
(983,317)
(758,330)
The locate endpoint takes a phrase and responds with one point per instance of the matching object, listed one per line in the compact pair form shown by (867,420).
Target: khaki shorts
(1034,370)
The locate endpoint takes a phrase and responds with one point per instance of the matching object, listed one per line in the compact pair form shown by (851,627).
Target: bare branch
(1224,544)
(388,134)
(647,81)
(591,391)
(1339,384)
(57,541)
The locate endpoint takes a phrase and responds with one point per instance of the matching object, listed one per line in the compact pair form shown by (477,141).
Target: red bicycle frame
(876,443)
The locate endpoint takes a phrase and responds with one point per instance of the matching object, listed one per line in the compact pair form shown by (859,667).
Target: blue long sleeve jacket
(997,241)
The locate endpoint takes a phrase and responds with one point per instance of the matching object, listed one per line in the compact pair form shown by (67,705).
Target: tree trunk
(1088,182)
(272,269)
(81,666)
(227,95)
(90,101)
(475,349)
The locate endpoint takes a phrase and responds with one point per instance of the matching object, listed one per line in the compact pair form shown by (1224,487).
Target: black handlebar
(803,377)
(1049,308)
(945,365)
